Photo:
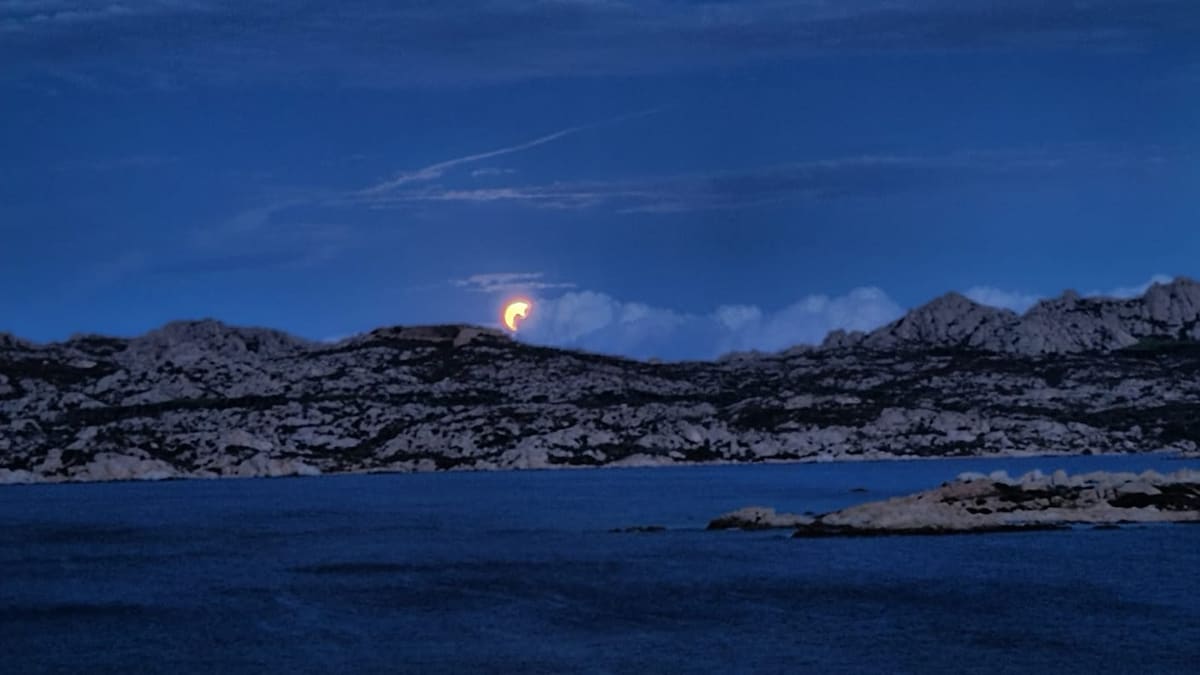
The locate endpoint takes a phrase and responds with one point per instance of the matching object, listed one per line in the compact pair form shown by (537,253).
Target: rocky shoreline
(201,399)
(120,468)
(979,503)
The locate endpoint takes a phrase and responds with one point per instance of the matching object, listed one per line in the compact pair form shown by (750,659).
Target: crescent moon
(515,310)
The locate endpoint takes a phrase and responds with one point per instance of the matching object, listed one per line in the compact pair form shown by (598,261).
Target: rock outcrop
(949,321)
(1067,324)
(758,518)
(203,399)
(996,503)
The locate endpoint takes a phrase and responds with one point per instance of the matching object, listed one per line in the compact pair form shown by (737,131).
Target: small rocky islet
(996,502)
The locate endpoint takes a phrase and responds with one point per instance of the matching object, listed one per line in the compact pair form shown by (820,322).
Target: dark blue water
(517,572)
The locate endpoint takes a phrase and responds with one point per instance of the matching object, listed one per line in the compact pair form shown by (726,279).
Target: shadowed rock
(757,518)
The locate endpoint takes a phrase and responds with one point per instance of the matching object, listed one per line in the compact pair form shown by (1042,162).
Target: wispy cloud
(252,240)
(434,171)
(507,282)
(491,171)
(864,175)
(377,43)
(1134,291)
(1017,301)
(25,14)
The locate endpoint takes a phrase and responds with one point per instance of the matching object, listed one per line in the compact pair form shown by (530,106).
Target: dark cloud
(425,43)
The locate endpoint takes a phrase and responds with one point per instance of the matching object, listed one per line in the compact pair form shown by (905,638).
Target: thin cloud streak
(505,282)
(491,171)
(865,175)
(435,171)
(514,40)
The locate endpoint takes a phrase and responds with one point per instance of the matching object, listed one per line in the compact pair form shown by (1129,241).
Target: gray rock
(758,518)
(975,503)
(1067,324)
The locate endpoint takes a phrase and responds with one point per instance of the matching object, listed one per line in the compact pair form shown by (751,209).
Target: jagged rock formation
(997,503)
(1067,324)
(202,399)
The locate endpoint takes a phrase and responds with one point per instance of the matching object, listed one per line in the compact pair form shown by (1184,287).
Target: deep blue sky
(678,179)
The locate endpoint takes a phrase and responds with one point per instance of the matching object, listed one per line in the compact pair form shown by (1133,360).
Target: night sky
(672,179)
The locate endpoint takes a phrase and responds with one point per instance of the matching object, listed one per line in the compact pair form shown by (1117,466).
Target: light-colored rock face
(976,502)
(201,399)
(1067,324)
(951,320)
(186,342)
(1175,304)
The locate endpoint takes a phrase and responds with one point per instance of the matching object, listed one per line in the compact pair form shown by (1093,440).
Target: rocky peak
(189,341)
(840,339)
(1176,303)
(1069,323)
(8,341)
(1068,301)
(948,321)
(734,357)
(457,335)
(1072,324)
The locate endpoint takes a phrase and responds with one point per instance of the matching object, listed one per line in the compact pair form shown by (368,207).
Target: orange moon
(517,309)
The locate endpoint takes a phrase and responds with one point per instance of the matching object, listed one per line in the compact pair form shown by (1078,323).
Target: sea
(521,572)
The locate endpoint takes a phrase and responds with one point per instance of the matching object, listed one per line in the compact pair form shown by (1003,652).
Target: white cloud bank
(599,322)
(595,321)
(435,171)
(1131,291)
(997,297)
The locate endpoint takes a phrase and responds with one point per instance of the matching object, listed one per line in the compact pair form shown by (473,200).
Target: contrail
(436,170)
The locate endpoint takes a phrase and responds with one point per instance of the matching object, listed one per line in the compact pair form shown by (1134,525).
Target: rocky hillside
(1063,325)
(952,378)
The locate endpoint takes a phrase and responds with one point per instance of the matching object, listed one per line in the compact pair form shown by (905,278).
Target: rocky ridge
(953,378)
(1063,325)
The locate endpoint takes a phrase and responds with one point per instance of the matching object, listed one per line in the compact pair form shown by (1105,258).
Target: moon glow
(517,309)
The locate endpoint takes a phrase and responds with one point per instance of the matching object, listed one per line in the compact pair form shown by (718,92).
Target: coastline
(7,477)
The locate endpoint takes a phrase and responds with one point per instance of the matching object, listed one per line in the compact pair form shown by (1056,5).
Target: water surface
(518,572)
